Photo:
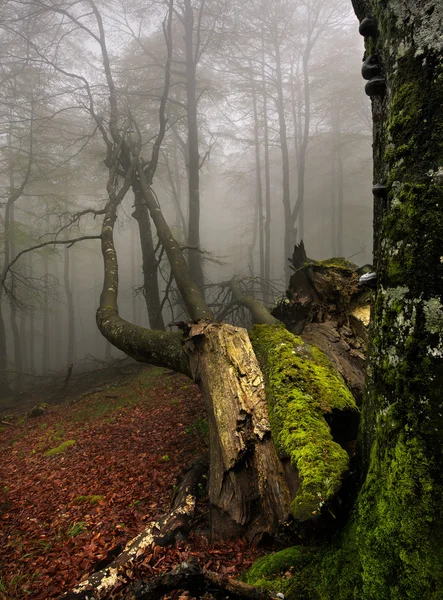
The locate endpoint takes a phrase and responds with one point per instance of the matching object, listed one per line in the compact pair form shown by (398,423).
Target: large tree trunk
(397,531)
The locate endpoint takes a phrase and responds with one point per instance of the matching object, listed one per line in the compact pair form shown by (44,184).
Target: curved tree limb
(145,345)
(192,297)
(260,314)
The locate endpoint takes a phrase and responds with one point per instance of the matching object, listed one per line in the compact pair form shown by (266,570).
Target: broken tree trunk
(326,305)
(247,487)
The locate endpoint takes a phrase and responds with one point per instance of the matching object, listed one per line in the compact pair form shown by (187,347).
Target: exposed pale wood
(247,489)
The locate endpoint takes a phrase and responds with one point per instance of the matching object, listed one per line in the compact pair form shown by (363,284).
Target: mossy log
(303,390)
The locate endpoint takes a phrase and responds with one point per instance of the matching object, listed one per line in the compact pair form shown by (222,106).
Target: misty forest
(221,319)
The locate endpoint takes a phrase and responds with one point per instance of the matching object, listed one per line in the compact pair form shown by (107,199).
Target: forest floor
(79,481)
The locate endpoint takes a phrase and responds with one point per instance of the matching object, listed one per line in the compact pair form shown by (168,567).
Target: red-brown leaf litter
(117,454)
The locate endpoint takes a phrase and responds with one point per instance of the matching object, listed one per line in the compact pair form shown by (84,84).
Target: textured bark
(191,577)
(151,290)
(247,489)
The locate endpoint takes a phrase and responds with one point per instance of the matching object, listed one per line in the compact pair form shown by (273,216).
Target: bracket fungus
(368,27)
(380,191)
(376,86)
(371,67)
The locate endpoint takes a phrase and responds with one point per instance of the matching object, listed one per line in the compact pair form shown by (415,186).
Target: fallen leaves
(61,515)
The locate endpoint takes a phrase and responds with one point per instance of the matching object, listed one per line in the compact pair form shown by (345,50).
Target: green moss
(93,499)
(337,263)
(283,571)
(301,386)
(61,448)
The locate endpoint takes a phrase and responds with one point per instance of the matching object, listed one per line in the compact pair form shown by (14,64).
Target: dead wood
(247,486)
(190,576)
(327,306)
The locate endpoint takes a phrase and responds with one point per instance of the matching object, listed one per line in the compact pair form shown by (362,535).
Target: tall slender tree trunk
(134,276)
(289,235)
(70,346)
(24,343)
(258,187)
(267,223)
(45,337)
(193,158)
(5,390)
(180,217)
(151,290)
(18,364)
(333,191)
(339,177)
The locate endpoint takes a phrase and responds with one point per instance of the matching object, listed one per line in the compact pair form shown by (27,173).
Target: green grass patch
(76,529)
(200,428)
(93,499)
(61,448)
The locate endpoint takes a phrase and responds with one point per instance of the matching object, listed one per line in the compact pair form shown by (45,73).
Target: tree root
(190,576)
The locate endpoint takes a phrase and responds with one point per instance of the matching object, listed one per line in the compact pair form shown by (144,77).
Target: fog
(265,114)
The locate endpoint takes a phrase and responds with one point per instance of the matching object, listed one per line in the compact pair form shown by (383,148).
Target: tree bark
(247,487)
(151,290)
(193,158)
